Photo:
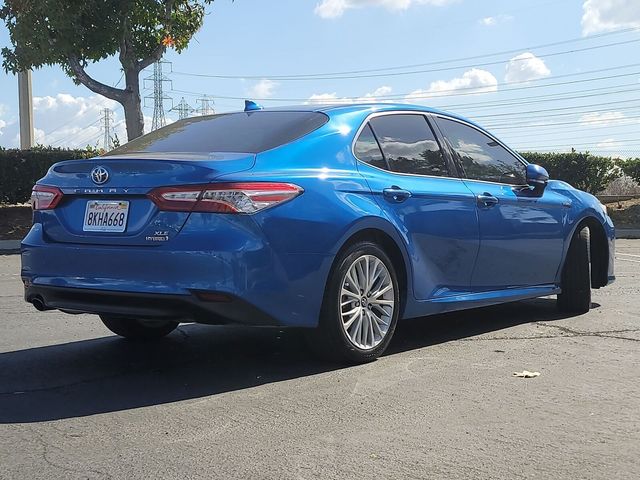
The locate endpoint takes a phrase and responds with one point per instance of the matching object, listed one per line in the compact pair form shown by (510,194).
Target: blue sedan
(339,219)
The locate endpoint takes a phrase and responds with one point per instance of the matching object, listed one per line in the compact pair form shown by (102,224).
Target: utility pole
(183,109)
(158,79)
(107,118)
(25,106)
(206,105)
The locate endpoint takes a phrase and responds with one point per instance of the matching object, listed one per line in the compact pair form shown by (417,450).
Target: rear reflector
(44,197)
(244,197)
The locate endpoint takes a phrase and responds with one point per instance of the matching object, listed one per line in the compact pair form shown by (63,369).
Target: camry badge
(99,175)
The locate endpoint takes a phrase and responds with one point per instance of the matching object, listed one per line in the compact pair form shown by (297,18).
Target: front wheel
(136,329)
(576,276)
(361,306)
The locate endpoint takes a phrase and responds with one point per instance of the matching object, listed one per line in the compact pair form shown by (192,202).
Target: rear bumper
(267,287)
(226,309)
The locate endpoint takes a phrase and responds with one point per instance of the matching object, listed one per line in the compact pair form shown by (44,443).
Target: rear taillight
(245,197)
(44,197)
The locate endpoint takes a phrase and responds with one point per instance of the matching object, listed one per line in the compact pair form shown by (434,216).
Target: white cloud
(606,15)
(332,98)
(336,8)
(3,112)
(493,21)
(608,143)
(263,89)
(602,119)
(526,67)
(471,81)
(68,121)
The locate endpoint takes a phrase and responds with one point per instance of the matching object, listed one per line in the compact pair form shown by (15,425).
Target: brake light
(44,197)
(244,197)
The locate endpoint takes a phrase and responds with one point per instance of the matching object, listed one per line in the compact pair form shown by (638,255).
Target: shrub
(582,170)
(21,169)
(631,168)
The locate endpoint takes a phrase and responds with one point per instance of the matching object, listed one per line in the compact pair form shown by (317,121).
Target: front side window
(368,150)
(409,145)
(482,158)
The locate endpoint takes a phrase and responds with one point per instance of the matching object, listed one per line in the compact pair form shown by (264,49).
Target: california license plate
(106,216)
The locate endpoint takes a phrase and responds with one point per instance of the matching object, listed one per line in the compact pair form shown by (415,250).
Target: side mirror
(537,177)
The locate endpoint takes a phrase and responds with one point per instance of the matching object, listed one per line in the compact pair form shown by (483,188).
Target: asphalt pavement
(238,403)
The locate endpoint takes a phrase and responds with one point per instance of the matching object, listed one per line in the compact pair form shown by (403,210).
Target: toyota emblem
(99,175)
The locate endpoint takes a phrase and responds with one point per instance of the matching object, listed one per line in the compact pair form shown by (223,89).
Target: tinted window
(250,132)
(481,157)
(367,149)
(409,145)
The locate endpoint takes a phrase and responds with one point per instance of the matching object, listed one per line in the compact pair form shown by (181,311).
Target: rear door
(521,236)
(414,184)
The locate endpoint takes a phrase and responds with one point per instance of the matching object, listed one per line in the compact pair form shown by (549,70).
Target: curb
(628,233)
(9,246)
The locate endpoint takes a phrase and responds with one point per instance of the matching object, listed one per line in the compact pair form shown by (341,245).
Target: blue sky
(484,59)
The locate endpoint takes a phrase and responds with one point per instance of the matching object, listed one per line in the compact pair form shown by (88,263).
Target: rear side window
(409,145)
(243,132)
(368,150)
(482,158)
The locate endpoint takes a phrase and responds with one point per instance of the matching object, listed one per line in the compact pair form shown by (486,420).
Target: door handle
(396,194)
(486,200)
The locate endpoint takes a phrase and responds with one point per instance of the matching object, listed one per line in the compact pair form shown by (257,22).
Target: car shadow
(110,374)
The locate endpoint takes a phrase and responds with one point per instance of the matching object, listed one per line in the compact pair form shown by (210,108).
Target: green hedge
(20,169)
(582,170)
(631,168)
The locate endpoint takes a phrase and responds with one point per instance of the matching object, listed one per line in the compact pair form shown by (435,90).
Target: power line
(464,91)
(368,73)
(75,133)
(509,126)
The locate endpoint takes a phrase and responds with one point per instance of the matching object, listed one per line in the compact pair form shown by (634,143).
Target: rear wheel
(576,276)
(361,306)
(136,329)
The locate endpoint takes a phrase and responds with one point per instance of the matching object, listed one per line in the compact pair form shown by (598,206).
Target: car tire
(576,276)
(377,312)
(134,329)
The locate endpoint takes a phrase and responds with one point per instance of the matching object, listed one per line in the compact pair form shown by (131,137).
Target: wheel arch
(390,242)
(598,249)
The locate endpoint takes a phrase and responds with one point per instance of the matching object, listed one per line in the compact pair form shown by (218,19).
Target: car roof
(366,108)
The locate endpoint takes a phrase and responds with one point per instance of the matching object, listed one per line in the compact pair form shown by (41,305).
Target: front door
(521,236)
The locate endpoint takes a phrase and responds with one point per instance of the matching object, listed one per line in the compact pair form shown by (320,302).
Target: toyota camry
(339,219)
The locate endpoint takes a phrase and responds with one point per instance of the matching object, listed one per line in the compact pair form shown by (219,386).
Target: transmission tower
(183,109)
(158,79)
(107,118)
(206,105)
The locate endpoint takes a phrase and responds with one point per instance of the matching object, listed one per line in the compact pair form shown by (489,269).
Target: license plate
(105,216)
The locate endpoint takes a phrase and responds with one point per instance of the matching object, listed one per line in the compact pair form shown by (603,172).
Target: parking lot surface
(213,402)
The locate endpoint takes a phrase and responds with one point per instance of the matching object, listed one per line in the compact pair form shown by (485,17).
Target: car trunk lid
(103,192)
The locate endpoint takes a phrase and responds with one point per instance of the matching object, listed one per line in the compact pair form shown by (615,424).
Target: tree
(631,168)
(76,33)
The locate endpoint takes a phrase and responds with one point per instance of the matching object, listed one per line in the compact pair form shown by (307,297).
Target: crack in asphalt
(567,333)
(46,447)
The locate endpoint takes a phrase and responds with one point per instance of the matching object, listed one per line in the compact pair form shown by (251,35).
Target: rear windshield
(246,132)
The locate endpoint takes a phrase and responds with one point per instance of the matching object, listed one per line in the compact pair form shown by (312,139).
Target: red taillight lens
(44,197)
(245,197)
